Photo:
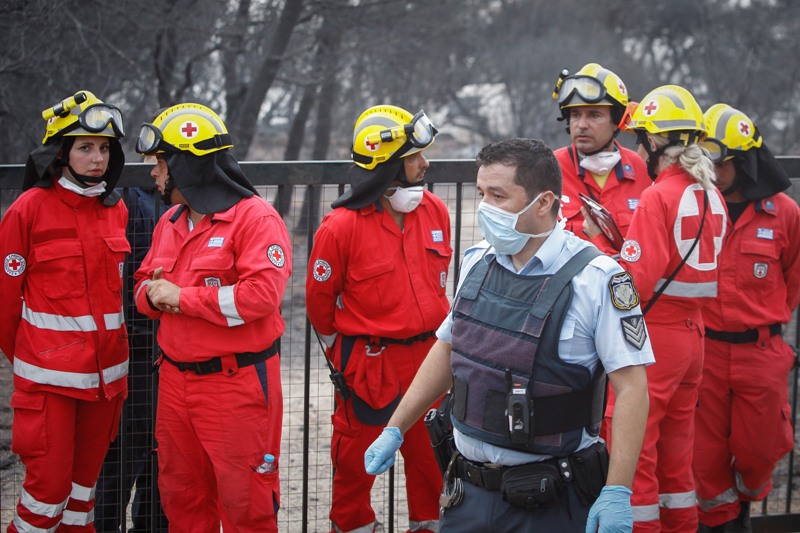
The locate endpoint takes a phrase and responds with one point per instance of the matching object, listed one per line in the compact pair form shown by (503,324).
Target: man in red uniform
(214,277)
(743,422)
(61,322)
(375,293)
(593,103)
(671,250)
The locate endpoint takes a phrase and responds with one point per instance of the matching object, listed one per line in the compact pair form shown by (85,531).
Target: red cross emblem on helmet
(372,147)
(650,108)
(744,127)
(189,129)
(276,255)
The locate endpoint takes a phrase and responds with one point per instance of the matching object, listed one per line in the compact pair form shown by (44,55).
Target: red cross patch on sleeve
(276,255)
(322,270)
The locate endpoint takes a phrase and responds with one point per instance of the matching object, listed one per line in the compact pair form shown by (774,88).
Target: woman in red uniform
(671,250)
(743,423)
(61,322)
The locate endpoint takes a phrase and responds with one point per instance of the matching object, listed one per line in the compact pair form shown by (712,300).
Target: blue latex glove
(611,511)
(379,457)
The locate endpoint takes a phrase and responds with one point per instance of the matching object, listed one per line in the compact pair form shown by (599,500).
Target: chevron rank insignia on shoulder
(623,293)
(633,330)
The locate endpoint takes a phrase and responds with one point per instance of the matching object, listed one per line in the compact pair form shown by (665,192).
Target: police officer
(593,103)
(539,320)
(743,423)
(61,322)
(375,292)
(214,277)
(671,251)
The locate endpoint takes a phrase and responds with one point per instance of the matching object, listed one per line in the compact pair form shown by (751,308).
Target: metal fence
(302,193)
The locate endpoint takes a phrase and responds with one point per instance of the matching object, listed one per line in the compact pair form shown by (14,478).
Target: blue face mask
(499,228)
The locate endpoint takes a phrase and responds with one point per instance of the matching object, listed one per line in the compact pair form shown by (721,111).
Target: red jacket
(662,231)
(366,277)
(759,282)
(620,196)
(232,268)
(61,322)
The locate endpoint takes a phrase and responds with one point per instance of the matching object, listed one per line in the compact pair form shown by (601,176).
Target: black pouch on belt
(532,485)
(590,469)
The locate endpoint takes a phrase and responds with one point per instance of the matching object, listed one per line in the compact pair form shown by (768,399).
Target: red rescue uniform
(213,429)
(664,228)
(743,419)
(379,287)
(619,196)
(63,330)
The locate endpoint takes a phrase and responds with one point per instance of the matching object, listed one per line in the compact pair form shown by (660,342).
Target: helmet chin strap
(86,181)
(169,186)
(604,147)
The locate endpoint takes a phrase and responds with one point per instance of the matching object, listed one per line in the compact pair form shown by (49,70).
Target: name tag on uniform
(764,233)
(632,203)
(216,242)
(437,235)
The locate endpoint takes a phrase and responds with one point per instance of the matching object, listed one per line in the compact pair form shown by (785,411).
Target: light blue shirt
(592,330)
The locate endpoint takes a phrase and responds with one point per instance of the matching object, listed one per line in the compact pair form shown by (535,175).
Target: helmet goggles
(151,141)
(588,89)
(97,117)
(717,152)
(420,132)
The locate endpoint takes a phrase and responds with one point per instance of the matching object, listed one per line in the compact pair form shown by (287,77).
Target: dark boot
(742,522)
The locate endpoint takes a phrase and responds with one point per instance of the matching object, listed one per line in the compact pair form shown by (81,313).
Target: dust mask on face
(94,190)
(405,199)
(498,227)
(601,162)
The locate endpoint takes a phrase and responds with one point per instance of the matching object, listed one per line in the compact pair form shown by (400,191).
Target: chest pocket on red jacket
(760,264)
(115,260)
(623,219)
(60,269)
(375,289)
(214,270)
(438,255)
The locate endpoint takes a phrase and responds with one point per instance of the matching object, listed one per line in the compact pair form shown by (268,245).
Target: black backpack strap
(683,261)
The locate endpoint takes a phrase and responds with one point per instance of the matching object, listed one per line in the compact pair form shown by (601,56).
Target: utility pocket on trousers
(532,485)
(589,470)
(29,426)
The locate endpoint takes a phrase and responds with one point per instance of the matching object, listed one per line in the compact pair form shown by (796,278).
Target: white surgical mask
(498,227)
(405,199)
(94,190)
(600,163)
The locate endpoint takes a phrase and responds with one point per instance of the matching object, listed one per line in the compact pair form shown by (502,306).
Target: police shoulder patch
(623,293)
(633,330)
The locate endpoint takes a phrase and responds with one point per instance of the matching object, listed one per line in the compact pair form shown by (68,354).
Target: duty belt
(490,477)
(214,365)
(409,341)
(741,337)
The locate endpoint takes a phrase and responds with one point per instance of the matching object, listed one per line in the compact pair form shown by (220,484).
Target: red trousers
(743,424)
(663,488)
(351,509)
(212,431)
(62,443)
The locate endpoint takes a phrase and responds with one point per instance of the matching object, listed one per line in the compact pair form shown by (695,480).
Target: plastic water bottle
(268,466)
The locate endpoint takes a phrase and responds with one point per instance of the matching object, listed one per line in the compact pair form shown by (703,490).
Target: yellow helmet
(591,85)
(729,131)
(387,132)
(670,111)
(82,114)
(184,128)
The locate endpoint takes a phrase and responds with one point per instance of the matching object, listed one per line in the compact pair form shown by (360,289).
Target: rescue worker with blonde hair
(61,323)
(214,277)
(671,250)
(375,293)
(594,103)
(743,419)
